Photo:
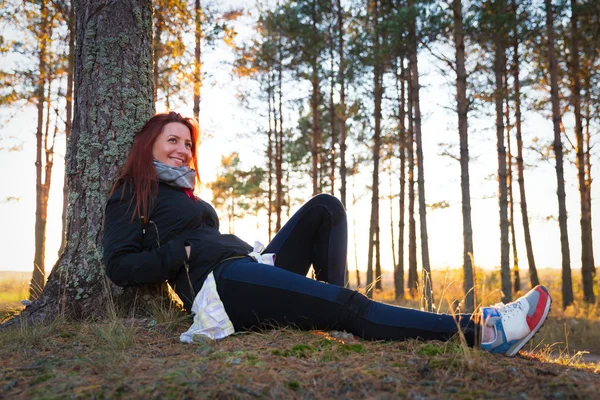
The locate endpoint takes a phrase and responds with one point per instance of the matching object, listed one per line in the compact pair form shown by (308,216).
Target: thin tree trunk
(314,106)
(588,270)
(69,119)
(332,115)
(511,198)
(588,164)
(342,116)
(499,67)
(427,290)
(399,272)
(391,199)
(159,24)
(462,109)
(533,276)
(38,277)
(413,277)
(270,151)
(279,139)
(354,201)
(374,222)
(198,35)
(567,284)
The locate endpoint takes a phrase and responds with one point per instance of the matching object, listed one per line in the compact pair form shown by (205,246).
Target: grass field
(142,358)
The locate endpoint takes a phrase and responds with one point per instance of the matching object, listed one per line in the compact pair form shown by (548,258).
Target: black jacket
(137,254)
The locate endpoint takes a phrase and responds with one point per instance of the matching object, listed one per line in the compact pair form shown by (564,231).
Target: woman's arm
(126,263)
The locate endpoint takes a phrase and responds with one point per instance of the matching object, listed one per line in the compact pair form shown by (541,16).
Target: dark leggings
(259,295)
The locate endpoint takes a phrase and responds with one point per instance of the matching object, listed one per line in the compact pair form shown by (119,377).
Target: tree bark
(113,99)
(567,284)
(279,144)
(354,201)
(511,198)
(342,115)
(399,272)
(462,109)
(391,208)
(39,275)
(413,277)
(198,35)
(271,111)
(587,158)
(427,289)
(157,46)
(588,269)
(69,118)
(499,67)
(377,97)
(533,276)
(332,115)
(314,106)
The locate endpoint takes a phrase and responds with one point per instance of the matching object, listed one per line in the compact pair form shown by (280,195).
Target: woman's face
(173,146)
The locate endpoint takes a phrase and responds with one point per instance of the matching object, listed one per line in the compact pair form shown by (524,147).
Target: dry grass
(134,360)
(142,358)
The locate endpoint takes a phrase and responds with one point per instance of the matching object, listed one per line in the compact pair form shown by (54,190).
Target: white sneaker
(517,322)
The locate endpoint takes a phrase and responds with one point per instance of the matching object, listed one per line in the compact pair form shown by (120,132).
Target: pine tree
(567,285)
(462,108)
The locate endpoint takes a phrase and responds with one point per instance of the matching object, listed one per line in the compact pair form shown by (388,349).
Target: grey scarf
(181,177)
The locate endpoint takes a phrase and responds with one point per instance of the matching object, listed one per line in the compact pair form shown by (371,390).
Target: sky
(229,127)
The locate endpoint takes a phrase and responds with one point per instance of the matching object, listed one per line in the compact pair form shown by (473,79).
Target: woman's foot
(514,324)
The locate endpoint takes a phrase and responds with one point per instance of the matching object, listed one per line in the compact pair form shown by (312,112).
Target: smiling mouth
(177,160)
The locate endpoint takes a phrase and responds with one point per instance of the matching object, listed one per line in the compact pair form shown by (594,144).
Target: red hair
(139,172)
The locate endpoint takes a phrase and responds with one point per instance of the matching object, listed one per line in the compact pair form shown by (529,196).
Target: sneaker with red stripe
(517,322)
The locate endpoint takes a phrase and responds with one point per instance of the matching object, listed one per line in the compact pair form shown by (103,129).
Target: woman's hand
(188,249)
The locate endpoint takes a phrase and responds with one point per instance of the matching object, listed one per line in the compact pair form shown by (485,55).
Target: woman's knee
(333,205)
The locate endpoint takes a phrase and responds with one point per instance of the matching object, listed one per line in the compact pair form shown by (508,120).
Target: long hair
(139,172)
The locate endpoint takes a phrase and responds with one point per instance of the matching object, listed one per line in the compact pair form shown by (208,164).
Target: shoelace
(510,309)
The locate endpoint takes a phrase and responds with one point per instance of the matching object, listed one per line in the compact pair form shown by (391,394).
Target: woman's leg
(256,295)
(317,235)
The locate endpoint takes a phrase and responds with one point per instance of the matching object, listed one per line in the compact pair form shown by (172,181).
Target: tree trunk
(114,44)
(391,199)
(399,271)
(39,276)
(511,198)
(533,277)
(279,145)
(342,116)
(159,24)
(69,119)
(588,163)
(567,284)
(271,112)
(377,97)
(199,35)
(427,290)
(499,67)
(413,277)
(354,201)
(332,115)
(314,107)
(462,109)
(588,270)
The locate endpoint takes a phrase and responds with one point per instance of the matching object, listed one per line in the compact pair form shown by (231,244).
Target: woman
(156,230)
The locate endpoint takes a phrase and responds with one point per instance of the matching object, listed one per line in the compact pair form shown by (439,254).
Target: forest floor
(143,358)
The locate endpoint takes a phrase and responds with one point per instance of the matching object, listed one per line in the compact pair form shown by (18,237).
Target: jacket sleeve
(126,263)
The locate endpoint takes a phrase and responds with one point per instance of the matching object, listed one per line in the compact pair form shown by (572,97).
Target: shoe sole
(519,345)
